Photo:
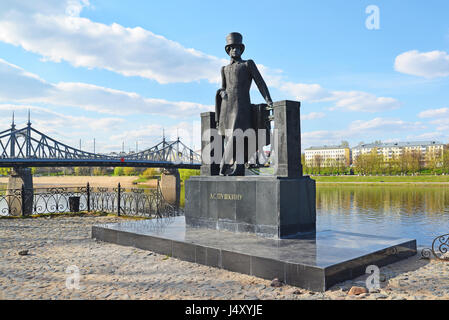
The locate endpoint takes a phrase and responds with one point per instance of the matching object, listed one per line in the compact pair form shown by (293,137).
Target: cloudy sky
(122,72)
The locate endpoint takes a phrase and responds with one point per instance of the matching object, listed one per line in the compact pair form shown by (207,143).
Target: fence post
(157,197)
(118,199)
(88,197)
(23,200)
(137,198)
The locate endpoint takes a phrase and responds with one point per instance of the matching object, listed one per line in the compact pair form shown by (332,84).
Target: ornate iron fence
(119,200)
(440,248)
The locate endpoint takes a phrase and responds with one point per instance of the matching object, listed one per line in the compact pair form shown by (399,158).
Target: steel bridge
(28,147)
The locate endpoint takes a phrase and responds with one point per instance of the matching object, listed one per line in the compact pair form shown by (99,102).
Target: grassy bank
(382,179)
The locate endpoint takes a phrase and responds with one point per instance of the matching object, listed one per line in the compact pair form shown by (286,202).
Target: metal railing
(440,248)
(122,201)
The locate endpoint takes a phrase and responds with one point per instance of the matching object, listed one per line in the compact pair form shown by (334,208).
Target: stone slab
(314,261)
(265,205)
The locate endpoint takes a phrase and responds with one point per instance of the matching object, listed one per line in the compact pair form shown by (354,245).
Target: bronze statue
(233,109)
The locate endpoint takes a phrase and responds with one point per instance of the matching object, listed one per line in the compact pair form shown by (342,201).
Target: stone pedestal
(18,203)
(286,140)
(171,186)
(208,168)
(281,206)
(265,205)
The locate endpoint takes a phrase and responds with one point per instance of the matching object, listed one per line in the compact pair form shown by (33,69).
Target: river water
(418,212)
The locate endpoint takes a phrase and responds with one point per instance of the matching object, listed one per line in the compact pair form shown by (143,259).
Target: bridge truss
(28,147)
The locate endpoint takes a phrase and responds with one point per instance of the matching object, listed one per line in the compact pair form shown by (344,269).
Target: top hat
(234,39)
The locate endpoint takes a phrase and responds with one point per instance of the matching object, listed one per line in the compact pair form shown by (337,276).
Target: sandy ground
(60,245)
(95,181)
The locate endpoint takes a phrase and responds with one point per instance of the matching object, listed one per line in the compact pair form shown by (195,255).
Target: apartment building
(395,149)
(327,156)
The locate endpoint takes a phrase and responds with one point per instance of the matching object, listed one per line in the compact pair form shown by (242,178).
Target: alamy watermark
(373,280)
(372,22)
(238,146)
(72,281)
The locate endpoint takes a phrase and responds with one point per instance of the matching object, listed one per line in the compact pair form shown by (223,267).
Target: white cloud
(363,101)
(46,119)
(432,64)
(56,32)
(188,132)
(359,130)
(429,136)
(307,92)
(383,125)
(441,124)
(318,138)
(440,119)
(313,116)
(17,83)
(20,86)
(109,132)
(432,113)
(343,100)
(272,77)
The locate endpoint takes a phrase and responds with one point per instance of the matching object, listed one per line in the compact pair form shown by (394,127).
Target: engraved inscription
(225,196)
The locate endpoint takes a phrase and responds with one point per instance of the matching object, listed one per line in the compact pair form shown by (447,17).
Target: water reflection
(419,212)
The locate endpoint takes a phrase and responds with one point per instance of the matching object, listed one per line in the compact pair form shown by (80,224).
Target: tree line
(408,163)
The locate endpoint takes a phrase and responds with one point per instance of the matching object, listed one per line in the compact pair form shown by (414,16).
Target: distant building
(393,150)
(328,156)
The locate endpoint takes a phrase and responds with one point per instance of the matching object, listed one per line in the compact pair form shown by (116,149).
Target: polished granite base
(268,206)
(314,262)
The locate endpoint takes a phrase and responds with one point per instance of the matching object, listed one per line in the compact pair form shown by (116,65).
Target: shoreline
(388,183)
(383,180)
(129,181)
(81,181)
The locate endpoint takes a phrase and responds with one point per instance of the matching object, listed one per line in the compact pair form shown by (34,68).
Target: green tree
(185,174)
(5,171)
(118,171)
(434,161)
(317,164)
(99,171)
(149,173)
(129,171)
(369,163)
(412,162)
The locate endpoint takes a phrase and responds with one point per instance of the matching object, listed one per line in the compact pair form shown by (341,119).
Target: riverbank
(133,181)
(109,271)
(375,180)
(94,181)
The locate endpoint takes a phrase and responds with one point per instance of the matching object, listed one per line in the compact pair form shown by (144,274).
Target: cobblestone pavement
(109,271)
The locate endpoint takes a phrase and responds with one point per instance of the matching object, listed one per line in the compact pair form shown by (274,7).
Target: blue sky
(122,71)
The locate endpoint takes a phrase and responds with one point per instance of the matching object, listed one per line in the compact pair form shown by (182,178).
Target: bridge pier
(20,181)
(171,186)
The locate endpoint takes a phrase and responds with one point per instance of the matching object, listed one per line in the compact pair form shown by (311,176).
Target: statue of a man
(233,105)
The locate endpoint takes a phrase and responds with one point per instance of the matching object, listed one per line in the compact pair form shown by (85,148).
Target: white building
(395,149)
(327,156)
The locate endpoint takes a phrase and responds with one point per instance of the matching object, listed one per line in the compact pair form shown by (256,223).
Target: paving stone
(109,271)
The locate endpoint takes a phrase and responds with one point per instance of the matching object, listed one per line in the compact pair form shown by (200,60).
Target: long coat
(234,112)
